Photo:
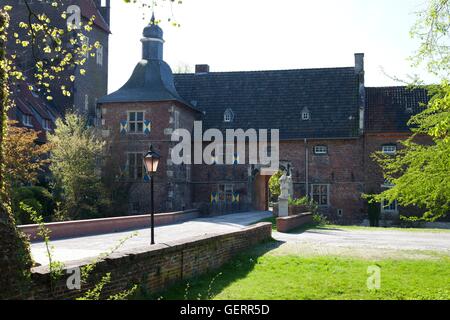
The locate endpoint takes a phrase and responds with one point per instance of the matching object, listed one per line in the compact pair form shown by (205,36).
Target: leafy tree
(420,172)
(75,159)
(24,158)
(274,185)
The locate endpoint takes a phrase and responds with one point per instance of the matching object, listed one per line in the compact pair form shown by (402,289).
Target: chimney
(359,63)
(201,68)
(359,72)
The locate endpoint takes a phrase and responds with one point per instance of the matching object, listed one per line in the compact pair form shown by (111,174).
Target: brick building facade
(328,123)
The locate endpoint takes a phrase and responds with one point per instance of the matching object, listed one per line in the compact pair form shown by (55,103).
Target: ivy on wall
(15,260)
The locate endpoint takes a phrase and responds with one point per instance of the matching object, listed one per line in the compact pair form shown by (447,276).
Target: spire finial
(152,21)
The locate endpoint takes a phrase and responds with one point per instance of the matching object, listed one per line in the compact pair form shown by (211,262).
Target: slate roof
(28,103)
(152,80)
(275,100)
(390,108)
(89,9)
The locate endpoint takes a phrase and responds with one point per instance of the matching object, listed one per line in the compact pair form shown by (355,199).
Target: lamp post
(151,161)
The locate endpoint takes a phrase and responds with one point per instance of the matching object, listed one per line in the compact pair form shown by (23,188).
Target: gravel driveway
(365,243)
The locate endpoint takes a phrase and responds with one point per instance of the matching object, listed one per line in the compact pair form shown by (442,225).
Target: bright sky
(238,35)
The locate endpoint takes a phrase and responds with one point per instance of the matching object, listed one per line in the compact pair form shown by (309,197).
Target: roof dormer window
(228,116)
(46,124)
(305,114)
(26,120)
(390,149)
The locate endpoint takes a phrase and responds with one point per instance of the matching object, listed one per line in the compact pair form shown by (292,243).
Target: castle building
(329,123)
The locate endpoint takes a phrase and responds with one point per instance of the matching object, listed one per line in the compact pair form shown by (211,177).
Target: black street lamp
(151,161)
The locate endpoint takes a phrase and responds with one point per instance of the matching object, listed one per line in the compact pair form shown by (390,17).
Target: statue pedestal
(283,207)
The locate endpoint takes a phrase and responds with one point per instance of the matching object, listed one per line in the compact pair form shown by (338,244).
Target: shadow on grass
(207,286)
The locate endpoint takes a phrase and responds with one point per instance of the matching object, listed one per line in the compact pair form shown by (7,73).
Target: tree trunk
(15,261)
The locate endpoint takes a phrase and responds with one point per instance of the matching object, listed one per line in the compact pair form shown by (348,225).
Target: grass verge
(257,275)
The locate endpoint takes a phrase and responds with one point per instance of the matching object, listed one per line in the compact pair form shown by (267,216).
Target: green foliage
(38,198)
(411,222)
(15,261)
(320,220)
(77,151)
(374,211)
(420,171)
(274,185)
(310,205)
(56,267)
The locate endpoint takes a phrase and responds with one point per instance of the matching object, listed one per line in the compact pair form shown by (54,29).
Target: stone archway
(260,186)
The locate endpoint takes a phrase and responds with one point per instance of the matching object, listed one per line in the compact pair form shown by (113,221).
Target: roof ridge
(262,71)
(398,87)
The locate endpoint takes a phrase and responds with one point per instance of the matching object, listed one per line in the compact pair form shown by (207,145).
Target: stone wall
(156,267)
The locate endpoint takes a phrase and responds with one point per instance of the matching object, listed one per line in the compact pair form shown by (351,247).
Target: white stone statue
(290,184)
(284,186)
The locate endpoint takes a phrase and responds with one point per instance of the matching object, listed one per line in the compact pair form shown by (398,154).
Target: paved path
(91,246)
(365,243)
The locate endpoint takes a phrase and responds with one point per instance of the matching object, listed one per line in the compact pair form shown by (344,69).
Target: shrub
(320,219)
(274,186)
(310,205)
(374,212)
(38,198)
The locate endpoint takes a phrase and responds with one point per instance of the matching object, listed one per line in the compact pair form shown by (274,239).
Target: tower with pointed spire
(152,78)
(152,41)
(145,111)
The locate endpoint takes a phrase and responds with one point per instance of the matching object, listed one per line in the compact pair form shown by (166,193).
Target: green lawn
(258,274)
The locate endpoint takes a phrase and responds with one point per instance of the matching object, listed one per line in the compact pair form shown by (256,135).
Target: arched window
(228,116)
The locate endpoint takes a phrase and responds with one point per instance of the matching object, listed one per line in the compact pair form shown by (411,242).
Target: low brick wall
(81,228)
(154,267)
(286,224)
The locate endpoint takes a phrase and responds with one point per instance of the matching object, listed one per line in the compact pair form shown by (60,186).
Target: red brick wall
(286,224)
(172,190)
(156,267)
(373,142)
(341,169)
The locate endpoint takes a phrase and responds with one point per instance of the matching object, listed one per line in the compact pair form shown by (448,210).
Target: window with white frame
(86,102)
(135,121)
(389,149)
(389,207)
(135,164)
(46,124)
(26,120)
(99,55)
(321,150)
(320,193)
